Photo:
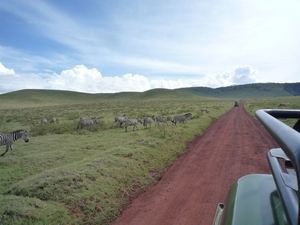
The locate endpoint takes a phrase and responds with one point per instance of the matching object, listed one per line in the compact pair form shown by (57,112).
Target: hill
(257,90)
(36,97)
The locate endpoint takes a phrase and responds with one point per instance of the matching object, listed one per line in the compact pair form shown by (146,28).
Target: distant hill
(257,90)
(153,93)
(32,97)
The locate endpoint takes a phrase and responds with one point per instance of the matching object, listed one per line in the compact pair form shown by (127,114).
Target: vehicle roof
(253,199)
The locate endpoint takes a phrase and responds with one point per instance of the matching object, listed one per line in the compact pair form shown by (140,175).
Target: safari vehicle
(236,104)
(268,199)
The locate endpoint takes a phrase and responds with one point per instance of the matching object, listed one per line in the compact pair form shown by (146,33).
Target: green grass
(69,176)
(252,105)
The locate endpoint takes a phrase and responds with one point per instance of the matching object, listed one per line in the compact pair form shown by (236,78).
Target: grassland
(252,105)
(69,176)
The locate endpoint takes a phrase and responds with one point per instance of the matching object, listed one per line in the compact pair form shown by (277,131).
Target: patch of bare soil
(188,193)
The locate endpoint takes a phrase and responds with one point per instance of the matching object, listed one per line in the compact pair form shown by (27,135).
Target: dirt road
(188,193)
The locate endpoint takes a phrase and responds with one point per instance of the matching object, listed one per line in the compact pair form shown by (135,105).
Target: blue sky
(112,46)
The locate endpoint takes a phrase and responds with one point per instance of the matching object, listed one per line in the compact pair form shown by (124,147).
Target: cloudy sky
(112,46)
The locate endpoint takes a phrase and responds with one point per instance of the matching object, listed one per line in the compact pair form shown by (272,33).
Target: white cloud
(218,79)
(6,71)
(244,75)
(82,79)
(18,82)
(79,79)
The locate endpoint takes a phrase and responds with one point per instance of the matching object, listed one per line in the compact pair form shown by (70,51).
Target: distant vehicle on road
(236,104)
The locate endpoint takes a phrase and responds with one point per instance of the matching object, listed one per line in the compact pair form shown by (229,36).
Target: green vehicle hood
(254,200)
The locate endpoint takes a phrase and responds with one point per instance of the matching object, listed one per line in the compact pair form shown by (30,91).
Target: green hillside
(150,94)
(36,96)
(258,90)
(27,98)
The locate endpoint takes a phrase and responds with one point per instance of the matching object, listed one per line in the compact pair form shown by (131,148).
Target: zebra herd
(9,138)
(147,121)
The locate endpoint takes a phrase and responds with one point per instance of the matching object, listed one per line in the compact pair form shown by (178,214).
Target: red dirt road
(188,193)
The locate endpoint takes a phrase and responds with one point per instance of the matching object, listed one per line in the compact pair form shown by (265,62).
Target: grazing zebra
(121,119)
(9,138)
(182,118)
(132,122)
(163,119)
(53,120)
(44,121)
(148,120)
(204,110)
(86,122)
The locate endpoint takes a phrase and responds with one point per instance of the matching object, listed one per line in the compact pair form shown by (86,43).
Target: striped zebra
(44,121)
(120,119)
(148,120)
(9,138)
(87,122)
(132,122)
(182,118)
(53,120)
(163,119)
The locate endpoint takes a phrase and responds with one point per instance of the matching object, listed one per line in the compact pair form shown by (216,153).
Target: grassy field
(252,105)
(69,176)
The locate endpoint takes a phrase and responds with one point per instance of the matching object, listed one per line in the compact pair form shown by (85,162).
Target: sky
(112,46)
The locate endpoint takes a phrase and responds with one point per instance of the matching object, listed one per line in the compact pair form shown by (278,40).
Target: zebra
(148,120)
(121,119)
(132,122)
(182,118)
(9,138)
(86,122)
(163,119)
(204,110)
(44,121)
(53,120)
